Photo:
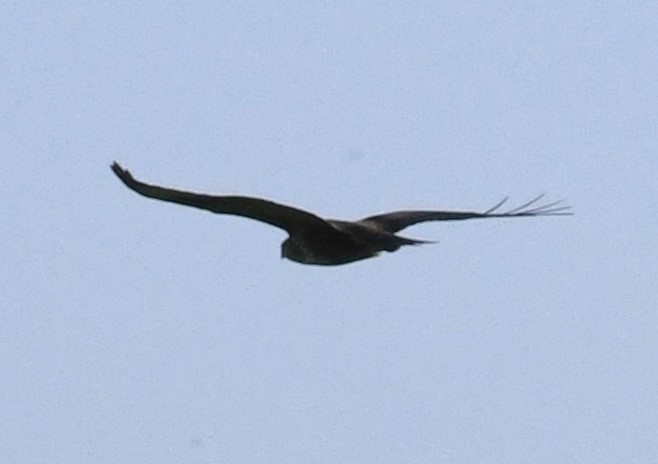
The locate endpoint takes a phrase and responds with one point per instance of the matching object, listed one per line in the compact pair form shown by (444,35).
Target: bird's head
(284,248)
(287,248)
(290,249)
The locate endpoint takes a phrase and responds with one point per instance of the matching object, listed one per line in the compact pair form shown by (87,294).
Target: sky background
(137,331)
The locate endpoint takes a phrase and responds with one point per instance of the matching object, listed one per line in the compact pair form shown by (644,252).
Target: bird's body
(349,242)
(313,240)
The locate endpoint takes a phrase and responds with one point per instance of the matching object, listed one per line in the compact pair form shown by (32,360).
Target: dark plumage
(313,240)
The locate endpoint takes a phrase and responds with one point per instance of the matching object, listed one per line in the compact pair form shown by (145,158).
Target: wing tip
(122,173)
(530,208)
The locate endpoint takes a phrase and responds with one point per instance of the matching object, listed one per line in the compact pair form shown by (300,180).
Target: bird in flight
(329,242)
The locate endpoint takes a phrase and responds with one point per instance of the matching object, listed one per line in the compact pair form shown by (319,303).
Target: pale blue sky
(136,331)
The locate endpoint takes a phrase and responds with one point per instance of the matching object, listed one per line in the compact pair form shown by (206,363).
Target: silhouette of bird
(314,240)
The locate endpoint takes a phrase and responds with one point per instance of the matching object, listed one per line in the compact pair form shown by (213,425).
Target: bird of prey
(314,240)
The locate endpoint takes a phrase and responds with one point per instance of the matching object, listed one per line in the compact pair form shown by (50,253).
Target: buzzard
(314,240)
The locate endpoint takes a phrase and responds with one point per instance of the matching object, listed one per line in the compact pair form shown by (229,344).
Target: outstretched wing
(281,216)
(398,220)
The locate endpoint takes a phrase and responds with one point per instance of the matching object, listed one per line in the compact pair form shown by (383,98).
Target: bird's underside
(313,240)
